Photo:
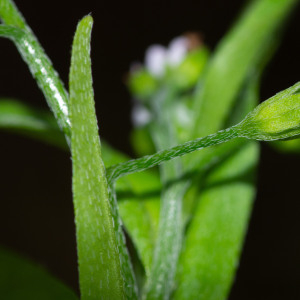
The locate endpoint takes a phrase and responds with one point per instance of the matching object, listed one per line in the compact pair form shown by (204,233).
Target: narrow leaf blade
(100,244)
(215,237)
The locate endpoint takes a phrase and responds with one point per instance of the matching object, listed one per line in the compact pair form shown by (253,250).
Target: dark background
(36,215)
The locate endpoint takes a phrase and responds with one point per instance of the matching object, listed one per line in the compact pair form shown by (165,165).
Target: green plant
(202,200)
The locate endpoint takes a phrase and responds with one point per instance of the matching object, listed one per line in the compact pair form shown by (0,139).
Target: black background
(36,215)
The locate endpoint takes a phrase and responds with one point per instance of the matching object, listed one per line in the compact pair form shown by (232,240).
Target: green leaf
(232,186)
(141,141)
(232,61)
(104,267)
(197,278)
(139,207)
(211,157)
(215,237)
(138,201)
(39,64)
(17,117)
(22,279)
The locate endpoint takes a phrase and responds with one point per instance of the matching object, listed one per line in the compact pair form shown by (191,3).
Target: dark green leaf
(17,117)
(22,279)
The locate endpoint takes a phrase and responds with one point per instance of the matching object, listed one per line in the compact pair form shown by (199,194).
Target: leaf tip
(87,20)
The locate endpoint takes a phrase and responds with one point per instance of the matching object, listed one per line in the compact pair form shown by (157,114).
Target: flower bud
(274,119)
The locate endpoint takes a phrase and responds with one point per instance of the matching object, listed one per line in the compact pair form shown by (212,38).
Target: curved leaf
(17,117)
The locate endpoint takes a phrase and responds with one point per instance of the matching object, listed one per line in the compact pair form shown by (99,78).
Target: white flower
(155,60)
(158,57)
(140,115)
(177,50)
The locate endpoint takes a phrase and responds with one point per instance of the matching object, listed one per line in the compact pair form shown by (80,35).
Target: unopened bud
(274,119)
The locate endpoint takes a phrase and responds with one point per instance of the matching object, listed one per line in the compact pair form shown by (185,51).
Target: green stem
(166,252)
(169,242)
(10,15)
(38,62)
(137,165)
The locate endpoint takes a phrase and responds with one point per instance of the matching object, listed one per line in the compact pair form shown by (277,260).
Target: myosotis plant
(199,201)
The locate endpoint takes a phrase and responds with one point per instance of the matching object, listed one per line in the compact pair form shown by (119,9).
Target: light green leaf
(222,188)
(215,236)
(189,273)
(22,279)
(104,267)
(212,157)
(139,209)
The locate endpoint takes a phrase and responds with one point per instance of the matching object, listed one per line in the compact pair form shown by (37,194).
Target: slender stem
(169,240)
(149,161)
(38,62)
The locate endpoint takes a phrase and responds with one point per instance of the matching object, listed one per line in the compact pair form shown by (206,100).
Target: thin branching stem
(149,161)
